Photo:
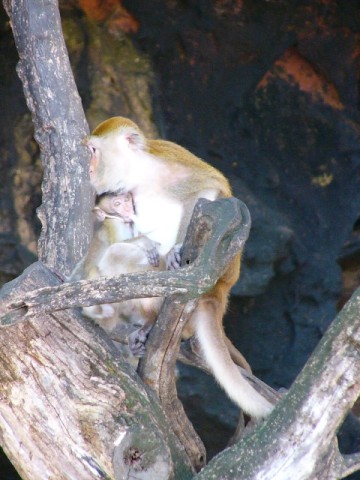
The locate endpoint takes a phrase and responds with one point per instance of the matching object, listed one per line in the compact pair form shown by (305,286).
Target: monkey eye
(92,149)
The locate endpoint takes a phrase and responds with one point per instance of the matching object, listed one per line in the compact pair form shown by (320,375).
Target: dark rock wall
(268,93)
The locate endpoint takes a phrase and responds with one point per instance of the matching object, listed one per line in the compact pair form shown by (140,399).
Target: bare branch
(301,430)
(71,407)
(190,282)
(60,126)
(217,231)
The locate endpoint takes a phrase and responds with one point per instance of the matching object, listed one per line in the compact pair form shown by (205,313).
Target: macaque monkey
(165,181)
(114,251)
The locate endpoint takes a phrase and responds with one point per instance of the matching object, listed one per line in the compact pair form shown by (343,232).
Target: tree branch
(297,440)
(60,127)
(190,282)
(217,231)
(71,408)
(351,464)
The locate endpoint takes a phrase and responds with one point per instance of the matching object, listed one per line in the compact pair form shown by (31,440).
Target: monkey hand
(153,256)
(137,340)
(173,258)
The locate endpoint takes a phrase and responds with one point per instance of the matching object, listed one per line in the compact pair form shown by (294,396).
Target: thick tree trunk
(70,407)
(218,230)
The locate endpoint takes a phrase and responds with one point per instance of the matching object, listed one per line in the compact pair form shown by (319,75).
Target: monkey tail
(236,356)
(225,371)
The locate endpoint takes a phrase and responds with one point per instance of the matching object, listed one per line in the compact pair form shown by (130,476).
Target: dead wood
(299,439)
(70,406)
(60,126)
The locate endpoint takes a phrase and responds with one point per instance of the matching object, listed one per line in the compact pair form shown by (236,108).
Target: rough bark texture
(71,408)
(298,441)
(218,230)
(60,126)
(68,399)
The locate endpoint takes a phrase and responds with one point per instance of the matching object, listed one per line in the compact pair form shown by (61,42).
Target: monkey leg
(149,309)
(104,315)
(99,312)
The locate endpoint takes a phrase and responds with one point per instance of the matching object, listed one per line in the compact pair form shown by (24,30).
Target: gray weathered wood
(218,228)
(60,126)
(298,440)
(71,408)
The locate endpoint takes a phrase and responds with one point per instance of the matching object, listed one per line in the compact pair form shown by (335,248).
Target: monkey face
(114,159)
(117,205)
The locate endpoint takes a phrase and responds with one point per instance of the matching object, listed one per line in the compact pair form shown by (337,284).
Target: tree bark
(298,440)
(218,230)
(71,408)
(60,127)
(68,404)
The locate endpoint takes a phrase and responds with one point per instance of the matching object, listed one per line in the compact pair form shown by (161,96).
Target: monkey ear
(136,141)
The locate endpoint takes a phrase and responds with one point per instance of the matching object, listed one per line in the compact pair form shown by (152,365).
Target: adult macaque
(113,251)
(166,181)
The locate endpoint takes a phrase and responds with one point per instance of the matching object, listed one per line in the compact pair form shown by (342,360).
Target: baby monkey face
(117,205)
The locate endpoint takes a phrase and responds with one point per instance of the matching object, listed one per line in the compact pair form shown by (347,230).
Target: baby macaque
(113,251)
(165,181)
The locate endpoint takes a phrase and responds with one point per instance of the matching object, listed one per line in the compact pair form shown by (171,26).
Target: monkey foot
(137,341)
(173,259)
